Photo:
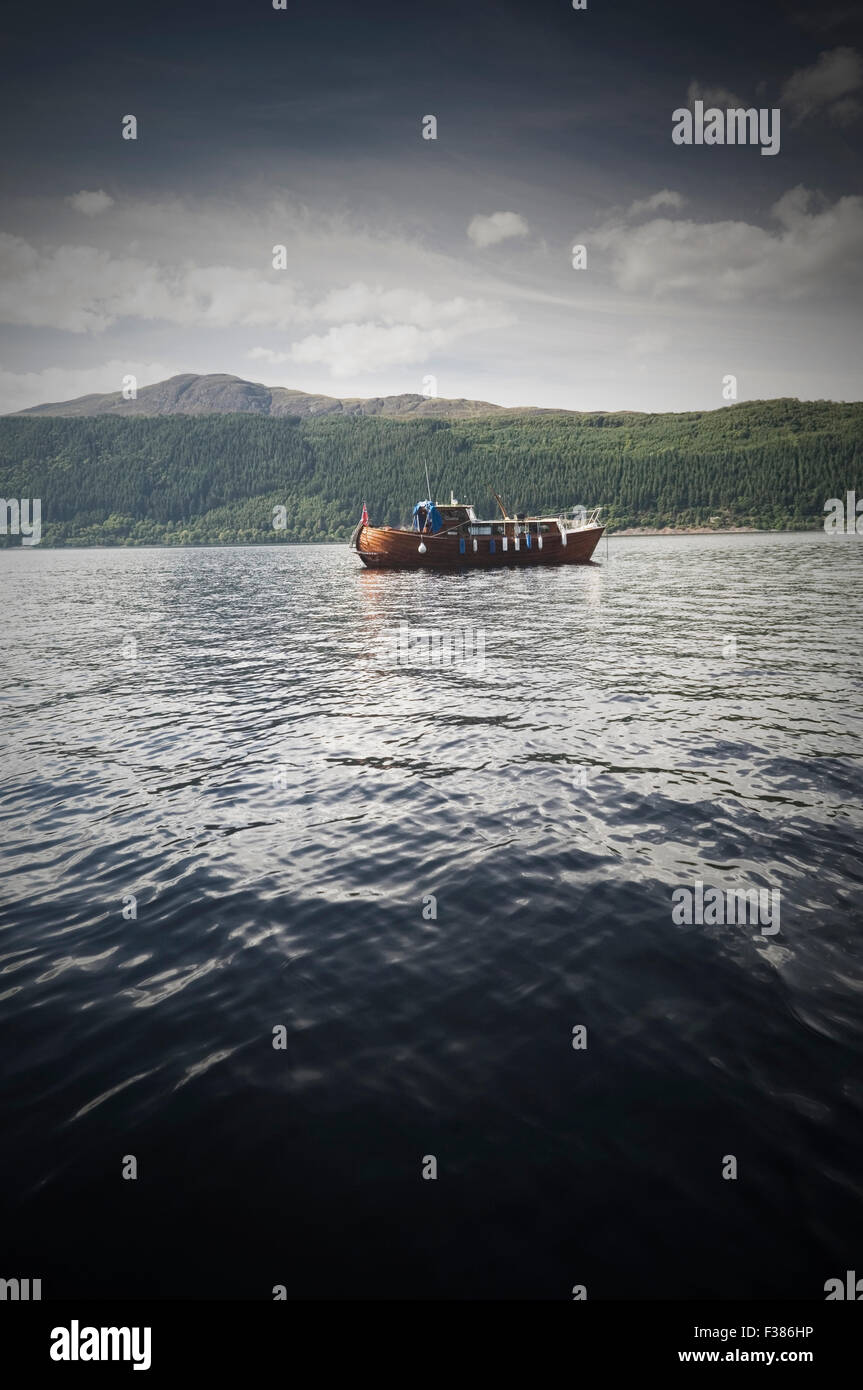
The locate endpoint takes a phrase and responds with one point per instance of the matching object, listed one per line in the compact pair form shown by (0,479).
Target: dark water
(280,801)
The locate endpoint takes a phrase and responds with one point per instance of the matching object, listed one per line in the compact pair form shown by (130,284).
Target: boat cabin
(458,515)
(460,519)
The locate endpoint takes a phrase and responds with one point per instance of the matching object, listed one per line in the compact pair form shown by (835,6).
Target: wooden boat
(452,537)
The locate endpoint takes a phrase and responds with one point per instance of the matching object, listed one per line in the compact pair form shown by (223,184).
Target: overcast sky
(451,258)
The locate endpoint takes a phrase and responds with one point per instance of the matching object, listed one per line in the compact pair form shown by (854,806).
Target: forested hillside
(216,478)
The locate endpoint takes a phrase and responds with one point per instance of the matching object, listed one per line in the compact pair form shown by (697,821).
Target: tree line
(217,479)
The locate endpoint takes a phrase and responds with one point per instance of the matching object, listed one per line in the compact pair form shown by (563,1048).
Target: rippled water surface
(221,734)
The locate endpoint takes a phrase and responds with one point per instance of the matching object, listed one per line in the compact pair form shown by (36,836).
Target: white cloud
(712,96)
(392,306)
(18,390)
(82,289)
(811,251)
(651,343)
(85,290)
(91,204)
(268,355)
(845,111)
(380,288)
(665,198)
(826,86)
(413,329)
(498,226)
(355,348)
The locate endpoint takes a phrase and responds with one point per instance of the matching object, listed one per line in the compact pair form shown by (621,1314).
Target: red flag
(365,516)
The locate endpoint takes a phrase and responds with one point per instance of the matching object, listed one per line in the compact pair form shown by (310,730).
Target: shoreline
(708,531)
(628,532)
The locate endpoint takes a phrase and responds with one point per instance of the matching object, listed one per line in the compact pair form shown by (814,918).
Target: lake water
(428,876)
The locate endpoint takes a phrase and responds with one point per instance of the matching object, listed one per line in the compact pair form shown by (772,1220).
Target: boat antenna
(428,484)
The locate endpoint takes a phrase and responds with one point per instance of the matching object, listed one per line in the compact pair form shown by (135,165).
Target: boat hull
(386,547)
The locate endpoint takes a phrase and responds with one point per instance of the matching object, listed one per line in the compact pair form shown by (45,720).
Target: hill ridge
(222,393)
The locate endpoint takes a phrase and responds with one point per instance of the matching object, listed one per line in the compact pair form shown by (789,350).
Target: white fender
(421,548)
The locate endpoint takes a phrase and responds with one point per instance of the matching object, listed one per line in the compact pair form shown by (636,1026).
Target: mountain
(220,394)
(220,478)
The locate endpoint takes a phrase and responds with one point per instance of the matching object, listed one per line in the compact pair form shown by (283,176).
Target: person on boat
(427,518)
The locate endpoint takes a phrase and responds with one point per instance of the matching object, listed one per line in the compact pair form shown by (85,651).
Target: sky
(442,265)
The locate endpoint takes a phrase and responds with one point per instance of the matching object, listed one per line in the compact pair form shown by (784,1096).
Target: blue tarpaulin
(433,520)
